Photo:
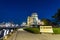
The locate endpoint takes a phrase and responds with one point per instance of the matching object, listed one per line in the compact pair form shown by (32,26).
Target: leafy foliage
(46,21)
(57,16)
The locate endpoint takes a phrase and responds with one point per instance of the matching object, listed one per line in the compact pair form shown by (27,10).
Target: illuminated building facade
(29,21)
(33,20)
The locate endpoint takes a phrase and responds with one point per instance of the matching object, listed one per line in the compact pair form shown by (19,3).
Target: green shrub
(33,30)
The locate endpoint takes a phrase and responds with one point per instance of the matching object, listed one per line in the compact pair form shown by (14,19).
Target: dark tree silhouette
(57,16)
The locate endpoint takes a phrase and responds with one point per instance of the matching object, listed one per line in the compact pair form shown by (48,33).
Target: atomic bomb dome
(34,20)
(34,15)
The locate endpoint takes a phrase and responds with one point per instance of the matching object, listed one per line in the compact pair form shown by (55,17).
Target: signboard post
(46,29)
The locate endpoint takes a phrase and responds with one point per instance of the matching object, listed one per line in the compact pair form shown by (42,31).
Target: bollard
(5,38)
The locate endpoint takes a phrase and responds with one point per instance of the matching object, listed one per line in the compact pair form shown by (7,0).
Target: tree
(46,21)
(57,16)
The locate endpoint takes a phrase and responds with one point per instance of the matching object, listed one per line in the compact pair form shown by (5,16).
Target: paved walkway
(23,35)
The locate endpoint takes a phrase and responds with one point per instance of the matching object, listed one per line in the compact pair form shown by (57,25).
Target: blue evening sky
(18,10)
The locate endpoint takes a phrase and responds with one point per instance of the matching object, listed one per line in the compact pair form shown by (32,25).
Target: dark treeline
(56,20)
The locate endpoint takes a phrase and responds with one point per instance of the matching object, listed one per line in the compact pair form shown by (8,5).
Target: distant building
(16,25)
(23,24)
(35,18)
(8,24)
(29,21)
(40,22)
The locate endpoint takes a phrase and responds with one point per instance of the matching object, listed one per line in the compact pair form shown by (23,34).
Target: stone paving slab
(23,35)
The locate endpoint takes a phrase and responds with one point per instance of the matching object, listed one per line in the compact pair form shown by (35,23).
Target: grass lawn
(37,30)
(56,30)
(33,30)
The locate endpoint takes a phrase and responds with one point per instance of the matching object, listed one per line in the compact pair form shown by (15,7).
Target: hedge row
(33,30)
